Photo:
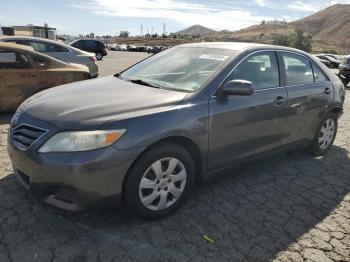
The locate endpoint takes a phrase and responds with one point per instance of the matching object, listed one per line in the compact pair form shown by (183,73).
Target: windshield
(185,69)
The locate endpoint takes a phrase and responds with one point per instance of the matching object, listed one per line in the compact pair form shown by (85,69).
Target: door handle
(280,101)
(327,91)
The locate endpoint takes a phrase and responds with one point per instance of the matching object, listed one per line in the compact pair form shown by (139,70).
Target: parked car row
(344,70)
(58,50)
(135,48)
(330,60)
(25,72)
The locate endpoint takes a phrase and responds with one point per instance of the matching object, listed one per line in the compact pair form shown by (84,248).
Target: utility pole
(141,31)
(164,29)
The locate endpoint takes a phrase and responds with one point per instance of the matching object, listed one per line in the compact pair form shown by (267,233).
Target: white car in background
(117,47)
(57,50)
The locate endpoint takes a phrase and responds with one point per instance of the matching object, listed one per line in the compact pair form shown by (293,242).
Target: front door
(243,127)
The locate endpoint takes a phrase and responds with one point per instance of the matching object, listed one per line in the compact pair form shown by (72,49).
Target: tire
(99,56)
(155,198)
(328,130)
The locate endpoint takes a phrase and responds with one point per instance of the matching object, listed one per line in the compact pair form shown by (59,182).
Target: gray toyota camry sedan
(142,138)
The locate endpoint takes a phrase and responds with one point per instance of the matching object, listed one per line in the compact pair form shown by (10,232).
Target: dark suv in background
(91,45)
(344,70)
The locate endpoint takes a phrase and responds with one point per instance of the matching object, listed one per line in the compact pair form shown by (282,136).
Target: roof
(240,46)
(225,45)
(15,46)
(32,38)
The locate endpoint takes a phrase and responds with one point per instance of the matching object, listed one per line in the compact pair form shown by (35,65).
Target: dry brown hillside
(196,30)
(330,28)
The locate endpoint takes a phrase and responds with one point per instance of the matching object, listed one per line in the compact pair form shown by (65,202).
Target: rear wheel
(159,182)
(99,56)
(325,135)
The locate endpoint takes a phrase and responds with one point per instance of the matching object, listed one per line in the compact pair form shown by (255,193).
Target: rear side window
(90,43)
(261,69)
(297,69)
(13,60)
(41,62)
(57,48)
(318,74)
(46,47)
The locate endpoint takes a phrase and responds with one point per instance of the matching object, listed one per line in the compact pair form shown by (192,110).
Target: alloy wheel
(326,134)
(162,184)
(99,56)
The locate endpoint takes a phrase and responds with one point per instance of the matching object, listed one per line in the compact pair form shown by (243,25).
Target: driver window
(261,69)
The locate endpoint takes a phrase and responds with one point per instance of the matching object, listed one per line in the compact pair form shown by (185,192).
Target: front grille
(23,136)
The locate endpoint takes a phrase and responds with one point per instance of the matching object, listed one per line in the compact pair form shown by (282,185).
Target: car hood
(90,103)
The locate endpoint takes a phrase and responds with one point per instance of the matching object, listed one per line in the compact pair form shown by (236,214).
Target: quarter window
(318,74)
(297,69)
(78,44)
(260,69)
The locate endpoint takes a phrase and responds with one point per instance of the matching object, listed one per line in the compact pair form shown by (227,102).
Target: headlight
(81,141)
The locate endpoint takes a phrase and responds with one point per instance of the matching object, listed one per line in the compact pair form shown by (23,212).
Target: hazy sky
(112,16)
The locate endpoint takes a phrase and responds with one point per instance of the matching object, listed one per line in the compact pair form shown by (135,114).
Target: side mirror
(238,88)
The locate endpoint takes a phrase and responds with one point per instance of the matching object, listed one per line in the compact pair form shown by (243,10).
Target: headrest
(296,69)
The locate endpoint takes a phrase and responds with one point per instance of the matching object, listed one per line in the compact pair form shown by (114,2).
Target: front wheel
(159,182)
(325,135)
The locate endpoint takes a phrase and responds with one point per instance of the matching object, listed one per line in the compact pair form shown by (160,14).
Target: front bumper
(74,181)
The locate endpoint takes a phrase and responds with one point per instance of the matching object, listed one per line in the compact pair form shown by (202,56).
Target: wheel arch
(337,109)
(188,144)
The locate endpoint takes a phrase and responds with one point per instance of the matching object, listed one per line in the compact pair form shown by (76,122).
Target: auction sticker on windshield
(214,57)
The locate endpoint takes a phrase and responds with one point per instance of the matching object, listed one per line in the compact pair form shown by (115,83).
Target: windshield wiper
(117,75)
(141,82)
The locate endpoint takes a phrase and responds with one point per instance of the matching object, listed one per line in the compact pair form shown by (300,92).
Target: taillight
(93,58)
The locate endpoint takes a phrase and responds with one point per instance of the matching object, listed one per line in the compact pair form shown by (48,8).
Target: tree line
(298,39)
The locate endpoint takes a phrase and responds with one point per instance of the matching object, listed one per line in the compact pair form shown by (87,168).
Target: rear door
(310,93)
(18,79)
(91,46)
(244,127)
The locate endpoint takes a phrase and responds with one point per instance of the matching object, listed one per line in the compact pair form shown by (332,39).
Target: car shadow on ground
(251,213)
(5,118)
